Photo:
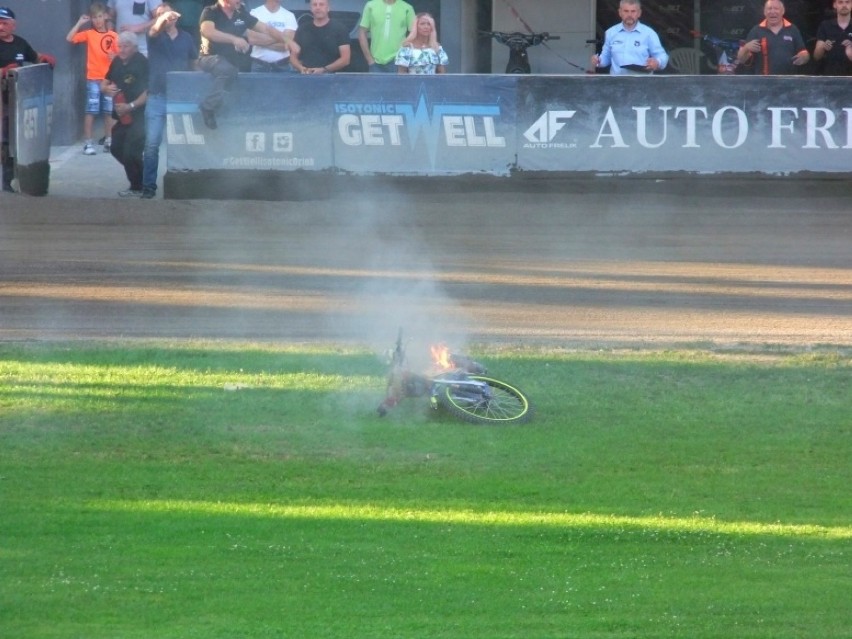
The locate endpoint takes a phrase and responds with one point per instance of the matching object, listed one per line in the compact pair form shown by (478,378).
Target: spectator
(323,43)
(388,22)
(834,41)
(11,47)
(127,82)
(775,46)
(421,53)
(101,48)
(630,47)
(136,16)
(267,54)
(190,14)
(225,50)
(169,49)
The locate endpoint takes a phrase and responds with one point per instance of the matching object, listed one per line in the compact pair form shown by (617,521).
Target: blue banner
(709,124)
(360,124)
(423,125)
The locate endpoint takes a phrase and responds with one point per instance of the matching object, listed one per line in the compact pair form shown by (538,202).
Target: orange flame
(441,356)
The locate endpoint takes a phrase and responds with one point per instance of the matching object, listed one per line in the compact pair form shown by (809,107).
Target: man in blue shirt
(630,47)
(169,49)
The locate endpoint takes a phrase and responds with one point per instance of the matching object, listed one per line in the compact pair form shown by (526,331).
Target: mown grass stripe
(368,512)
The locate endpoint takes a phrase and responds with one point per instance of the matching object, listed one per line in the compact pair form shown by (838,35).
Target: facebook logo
(255,142)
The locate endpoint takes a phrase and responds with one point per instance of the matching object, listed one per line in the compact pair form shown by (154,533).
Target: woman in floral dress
(421,53)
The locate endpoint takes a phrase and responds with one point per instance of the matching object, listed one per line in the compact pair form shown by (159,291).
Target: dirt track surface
(636,263)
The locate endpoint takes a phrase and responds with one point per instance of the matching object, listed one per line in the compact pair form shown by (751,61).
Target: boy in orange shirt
(101,48)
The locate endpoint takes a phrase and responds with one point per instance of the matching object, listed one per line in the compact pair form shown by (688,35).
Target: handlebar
(516,39)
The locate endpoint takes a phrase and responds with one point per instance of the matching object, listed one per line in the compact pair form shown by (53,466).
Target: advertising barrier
(28,100)
(697,125)
(510,126)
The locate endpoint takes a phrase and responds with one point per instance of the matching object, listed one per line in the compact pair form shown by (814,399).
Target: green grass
(655,494)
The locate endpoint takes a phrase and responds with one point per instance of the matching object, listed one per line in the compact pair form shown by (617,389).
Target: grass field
(655,494)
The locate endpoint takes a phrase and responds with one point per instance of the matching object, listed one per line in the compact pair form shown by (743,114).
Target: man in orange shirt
(775,46)
(101,48)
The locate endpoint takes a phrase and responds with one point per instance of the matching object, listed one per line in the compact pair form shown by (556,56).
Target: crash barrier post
(27,108)
(277,135)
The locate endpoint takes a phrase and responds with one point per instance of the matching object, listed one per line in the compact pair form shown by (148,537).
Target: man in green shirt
(388,22)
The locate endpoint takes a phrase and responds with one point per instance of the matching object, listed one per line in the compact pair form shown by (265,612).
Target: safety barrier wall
(27,111)
(503,125)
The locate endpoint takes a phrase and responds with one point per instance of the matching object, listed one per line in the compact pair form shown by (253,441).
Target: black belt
(281,63)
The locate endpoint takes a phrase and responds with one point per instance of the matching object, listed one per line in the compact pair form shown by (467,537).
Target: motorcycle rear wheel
(502,404)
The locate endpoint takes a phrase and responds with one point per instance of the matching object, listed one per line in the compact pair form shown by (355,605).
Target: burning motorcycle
(518,43)
(458,385)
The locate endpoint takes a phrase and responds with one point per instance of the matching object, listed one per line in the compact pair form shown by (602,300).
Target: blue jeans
(258,66)
(155,124)
(387,67)
(96,100)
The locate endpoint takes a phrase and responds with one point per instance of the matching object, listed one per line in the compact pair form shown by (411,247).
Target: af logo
(542,133)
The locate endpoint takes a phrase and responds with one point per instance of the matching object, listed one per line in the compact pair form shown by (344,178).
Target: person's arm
(140,100)
(260,39)
(46,58)
(160,23)
(276,37)
(847,45)
(802,56)
(125,108)
(342,61)
(658,58)
(823,44)
(296,63)
(365,45)
(604,58)
(443,61)
(77,26)
(208,30)
(745,53)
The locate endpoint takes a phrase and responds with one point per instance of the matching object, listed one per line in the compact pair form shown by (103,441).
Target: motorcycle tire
(505,404)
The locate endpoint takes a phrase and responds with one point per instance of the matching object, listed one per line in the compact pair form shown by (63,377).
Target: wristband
(132,106)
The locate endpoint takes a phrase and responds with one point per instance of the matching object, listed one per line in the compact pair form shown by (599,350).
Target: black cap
(6,13)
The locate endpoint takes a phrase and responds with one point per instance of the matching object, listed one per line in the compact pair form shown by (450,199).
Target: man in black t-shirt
(225,50)
(834,41)
(11,46)
(127,82)
(324,44)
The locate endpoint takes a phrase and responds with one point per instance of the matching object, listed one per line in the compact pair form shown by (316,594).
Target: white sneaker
(107,144)
(89,148)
